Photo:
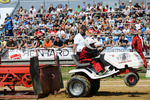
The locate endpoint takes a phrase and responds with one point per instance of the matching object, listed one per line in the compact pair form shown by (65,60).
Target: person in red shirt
(139,45)
(96,31)
(38,33)
(52,31)
(90,30)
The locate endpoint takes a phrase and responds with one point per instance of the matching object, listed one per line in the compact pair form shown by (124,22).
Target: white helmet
(88,42)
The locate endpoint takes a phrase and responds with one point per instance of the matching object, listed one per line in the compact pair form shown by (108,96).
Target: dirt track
(110,90)
(113,90)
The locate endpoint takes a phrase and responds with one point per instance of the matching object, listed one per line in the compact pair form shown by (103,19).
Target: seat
(76,61)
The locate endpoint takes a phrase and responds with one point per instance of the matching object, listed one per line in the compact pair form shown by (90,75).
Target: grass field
(66,75)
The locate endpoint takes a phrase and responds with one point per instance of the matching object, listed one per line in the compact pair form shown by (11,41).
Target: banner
(64,53)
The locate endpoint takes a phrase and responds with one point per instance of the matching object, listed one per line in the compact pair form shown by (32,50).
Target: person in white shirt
(99,41)
(59,8)
(138,24)
(32,9)
(89,7)
(126,30)
(79,41)
(60,31)
(111,10)
(126,11)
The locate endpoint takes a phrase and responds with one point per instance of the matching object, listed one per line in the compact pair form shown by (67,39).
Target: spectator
(90,30)
(29,43)
(110,42)
(99,41)
(136,6)
(2,29)
(122,6)
(53,31)
(25,12)
(22,33)
(68,28)
(142,28)
(119,39)
(78,9)
(8,17)
(70,12)
(63,38)
(66,9)
(33,10)
(21,10)
(47,43)
(38,33)
(2,44)
(11,44)
(147,40)
(42,39)
(59,9)
(8,26)
(126,12)
(110,10)
(50,8)
(147,29)
(123,42)
(34,26)
(71,20)
(88,9)
(84,7)
(22,45)
(60,31)
(69,42)
(134,30)
(30,30)
(143,6)
(138,24)
(58,43)
(116,31)
(37,43)
(41,11)
(31,14)
(120,24)
(126,30)
(16,20)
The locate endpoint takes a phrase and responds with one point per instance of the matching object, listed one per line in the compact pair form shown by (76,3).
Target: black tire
(131,79)
(84,86)
(137,76)
(95,85)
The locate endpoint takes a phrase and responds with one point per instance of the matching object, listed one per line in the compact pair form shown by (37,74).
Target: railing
(15,9)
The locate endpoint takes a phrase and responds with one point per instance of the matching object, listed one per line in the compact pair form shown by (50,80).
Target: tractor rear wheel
(95,85)
(78,86)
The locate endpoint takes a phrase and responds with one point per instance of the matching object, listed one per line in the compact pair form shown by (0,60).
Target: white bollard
(148,70)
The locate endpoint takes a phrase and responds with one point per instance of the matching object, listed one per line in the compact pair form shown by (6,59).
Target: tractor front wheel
(131,79)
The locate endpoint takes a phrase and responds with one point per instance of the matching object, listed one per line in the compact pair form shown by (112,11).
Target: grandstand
(40,19)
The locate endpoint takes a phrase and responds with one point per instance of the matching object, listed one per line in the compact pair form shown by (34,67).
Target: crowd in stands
(57,26)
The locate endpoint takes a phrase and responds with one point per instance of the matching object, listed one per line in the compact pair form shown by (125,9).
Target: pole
(69,3)
(146,8)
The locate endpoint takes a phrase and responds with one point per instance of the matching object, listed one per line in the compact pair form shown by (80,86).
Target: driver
(89,52)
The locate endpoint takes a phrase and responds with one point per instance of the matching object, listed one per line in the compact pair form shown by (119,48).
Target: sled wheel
(78,86)
(26,80)
(131,79)
(95,85)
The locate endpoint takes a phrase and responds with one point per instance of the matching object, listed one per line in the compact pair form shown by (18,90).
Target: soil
(110,90)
